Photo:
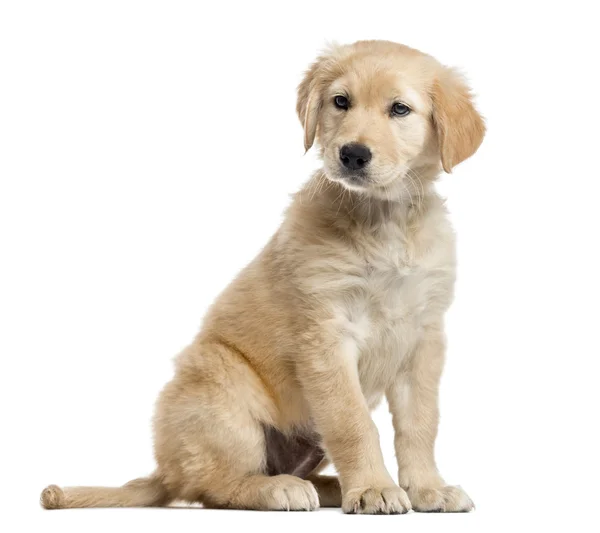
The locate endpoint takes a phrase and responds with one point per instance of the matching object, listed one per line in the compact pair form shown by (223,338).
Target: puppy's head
(383,113)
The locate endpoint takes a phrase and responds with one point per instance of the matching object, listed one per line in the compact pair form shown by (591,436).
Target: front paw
(376,500)
(449,499)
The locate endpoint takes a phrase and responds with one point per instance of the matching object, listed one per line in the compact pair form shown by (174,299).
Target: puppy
(344,305)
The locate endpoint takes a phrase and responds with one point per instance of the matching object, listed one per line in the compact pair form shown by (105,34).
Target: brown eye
(341,102)
(400,110)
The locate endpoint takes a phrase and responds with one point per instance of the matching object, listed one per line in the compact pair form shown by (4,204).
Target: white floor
(501,516)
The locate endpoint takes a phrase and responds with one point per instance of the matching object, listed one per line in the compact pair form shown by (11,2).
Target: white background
(147,151)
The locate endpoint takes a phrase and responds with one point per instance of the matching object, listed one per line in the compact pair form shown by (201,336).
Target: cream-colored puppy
(344,305)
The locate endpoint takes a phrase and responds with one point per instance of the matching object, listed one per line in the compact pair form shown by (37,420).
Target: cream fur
(344,305)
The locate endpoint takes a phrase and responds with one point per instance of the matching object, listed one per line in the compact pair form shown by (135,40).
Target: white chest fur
(389,286)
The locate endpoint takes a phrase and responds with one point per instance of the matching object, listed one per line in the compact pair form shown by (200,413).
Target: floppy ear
(309,103)
(460,128)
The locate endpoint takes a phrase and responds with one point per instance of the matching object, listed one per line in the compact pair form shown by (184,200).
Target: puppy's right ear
(308,105)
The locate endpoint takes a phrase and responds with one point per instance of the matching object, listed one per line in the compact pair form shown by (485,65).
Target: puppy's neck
(330,204)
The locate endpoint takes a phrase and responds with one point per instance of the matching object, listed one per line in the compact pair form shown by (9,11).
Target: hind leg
(276,493)
(328,487)
(210,442)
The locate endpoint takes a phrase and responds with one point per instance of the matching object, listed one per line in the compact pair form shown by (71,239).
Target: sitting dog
(344,305)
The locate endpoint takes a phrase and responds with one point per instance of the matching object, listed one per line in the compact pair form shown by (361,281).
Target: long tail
(143,492)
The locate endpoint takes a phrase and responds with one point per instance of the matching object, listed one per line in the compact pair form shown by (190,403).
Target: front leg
(413,401)
(329,378)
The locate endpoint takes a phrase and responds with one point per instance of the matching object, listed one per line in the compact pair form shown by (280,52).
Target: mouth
(357,181)
(352,179)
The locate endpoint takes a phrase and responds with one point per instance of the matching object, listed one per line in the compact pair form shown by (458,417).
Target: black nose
(355,156)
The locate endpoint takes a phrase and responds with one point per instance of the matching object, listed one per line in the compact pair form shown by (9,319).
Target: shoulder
(433,234)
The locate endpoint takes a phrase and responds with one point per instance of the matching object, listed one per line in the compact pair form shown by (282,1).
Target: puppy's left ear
(308,105)
(460,128)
